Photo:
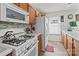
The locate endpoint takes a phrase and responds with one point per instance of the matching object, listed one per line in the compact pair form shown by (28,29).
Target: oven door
(33,51)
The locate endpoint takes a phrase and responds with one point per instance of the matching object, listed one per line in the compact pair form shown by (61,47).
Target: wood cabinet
(28,8)
(62,37)
(32,12)
(24,6)
(76,44)
(32,15)
(39,14)
(64,40)
(72,45)
(69,45)
(39,44)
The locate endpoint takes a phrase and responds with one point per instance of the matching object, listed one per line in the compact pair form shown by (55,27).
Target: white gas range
(21,46)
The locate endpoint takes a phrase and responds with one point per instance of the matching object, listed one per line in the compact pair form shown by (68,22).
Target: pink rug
(50,47)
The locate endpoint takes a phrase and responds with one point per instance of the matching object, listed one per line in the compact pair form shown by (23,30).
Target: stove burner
(17,41)
(14,42)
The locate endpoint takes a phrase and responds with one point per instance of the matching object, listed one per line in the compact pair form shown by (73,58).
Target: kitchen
(39,29)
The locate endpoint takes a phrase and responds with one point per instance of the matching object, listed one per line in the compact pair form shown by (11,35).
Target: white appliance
(28,47)
(11,13)
(40,28)
(54,25)
(46,31)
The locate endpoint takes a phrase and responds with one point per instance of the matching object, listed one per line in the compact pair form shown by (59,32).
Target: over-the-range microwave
(11,13)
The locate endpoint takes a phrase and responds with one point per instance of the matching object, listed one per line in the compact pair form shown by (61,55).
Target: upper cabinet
(32,15)
(39,14)
(28,8)
(32,12)
(24,6)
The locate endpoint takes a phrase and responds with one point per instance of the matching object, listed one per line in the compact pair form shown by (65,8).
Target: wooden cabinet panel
(62,37)
(39,44)
(69,45)
(39,14)
(32,12)
(69,42)
(76,44)
(64,40)
(77,51)
(32,15)
(72,45)
(24,6)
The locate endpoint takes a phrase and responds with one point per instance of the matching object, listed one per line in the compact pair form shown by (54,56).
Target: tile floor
(59,49)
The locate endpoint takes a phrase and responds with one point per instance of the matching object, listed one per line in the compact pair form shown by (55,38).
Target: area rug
(50,47)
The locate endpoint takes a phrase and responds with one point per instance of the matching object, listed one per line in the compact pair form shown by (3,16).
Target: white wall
(65,13)
(65,24)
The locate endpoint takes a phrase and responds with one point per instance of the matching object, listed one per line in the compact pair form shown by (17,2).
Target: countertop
(4,50)
(74,33)
(34,34)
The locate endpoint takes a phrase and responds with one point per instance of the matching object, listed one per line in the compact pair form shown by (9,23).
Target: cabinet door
(76,43)
(62,37)
(64,40)
(32,15)
(77,52)
(39,44)
(69,45)
(24,6)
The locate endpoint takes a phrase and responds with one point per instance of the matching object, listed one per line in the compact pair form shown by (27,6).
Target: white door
(54,25)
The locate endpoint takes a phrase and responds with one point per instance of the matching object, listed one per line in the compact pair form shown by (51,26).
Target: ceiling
(53,7)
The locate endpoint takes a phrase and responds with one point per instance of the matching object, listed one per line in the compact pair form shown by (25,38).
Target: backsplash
(12,25)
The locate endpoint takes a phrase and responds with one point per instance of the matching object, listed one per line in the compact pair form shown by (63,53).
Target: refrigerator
(40,28)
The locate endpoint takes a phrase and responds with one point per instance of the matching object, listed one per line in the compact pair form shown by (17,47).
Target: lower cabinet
(71,45)
(77,52)
(76,44)
(64,40)
(69,49)
(39,44)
